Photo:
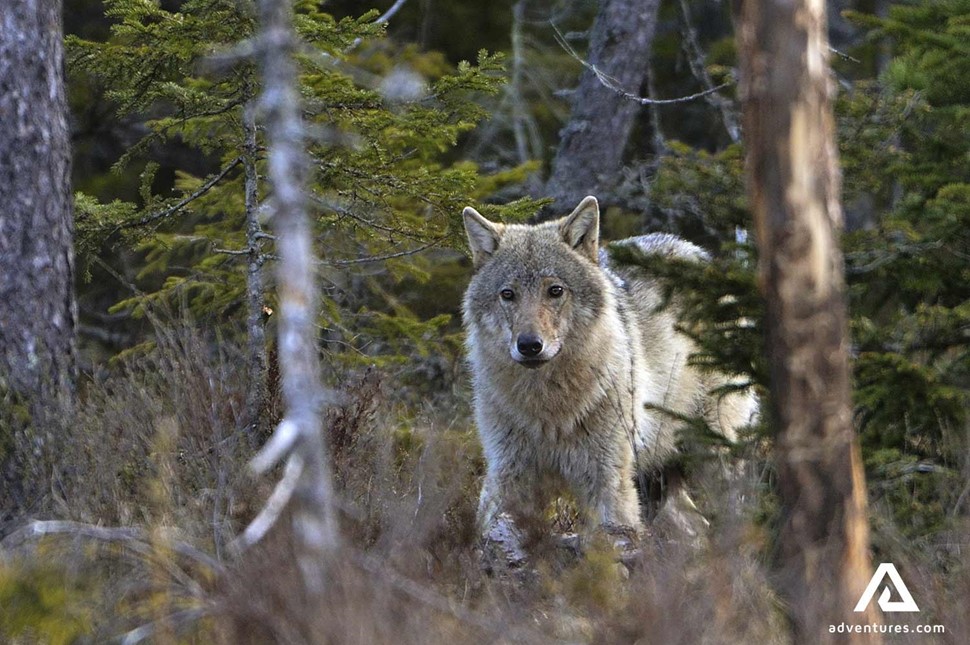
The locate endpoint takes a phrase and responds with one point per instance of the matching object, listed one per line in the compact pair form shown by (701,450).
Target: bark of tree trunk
(793,186)
(256,355)
(37,337)
(39,320)
(304,398)
(589,160)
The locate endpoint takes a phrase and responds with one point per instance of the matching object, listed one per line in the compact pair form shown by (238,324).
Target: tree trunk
(256,357)
(314,518)
(589,160)
(793,186)
(38,323)
(37,337)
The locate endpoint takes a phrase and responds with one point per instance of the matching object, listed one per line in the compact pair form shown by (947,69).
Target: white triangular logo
(887,569)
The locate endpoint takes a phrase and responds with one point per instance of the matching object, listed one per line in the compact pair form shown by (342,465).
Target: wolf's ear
(483,235)
(581,228)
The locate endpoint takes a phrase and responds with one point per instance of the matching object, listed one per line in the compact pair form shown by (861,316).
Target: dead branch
(611,83)
(137,539)
(311,497)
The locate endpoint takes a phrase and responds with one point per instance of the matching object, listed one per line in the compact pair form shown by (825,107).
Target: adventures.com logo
(905,603)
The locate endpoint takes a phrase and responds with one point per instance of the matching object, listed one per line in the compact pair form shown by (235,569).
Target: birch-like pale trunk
(256,358)
(306,485)
(794,190)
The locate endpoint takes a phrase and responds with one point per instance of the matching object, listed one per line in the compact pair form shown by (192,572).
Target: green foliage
(383,188)
(701,194)
(909,275)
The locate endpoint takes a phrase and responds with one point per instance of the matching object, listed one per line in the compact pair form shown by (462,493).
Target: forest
(236,399)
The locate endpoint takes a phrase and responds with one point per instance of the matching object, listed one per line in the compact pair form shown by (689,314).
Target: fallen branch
(135,538)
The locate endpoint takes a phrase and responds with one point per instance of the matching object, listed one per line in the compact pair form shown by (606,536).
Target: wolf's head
(537,290)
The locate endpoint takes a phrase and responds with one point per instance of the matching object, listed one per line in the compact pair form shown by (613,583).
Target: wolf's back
(674,385)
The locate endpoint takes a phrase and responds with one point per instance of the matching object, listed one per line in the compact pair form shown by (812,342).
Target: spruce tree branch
(610,83)
(185,201)
(346,212)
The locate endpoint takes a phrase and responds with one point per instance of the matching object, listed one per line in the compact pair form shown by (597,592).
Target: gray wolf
(567,354)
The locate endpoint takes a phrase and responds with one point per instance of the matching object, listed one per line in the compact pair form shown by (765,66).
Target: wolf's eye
(556,291)
(507,294)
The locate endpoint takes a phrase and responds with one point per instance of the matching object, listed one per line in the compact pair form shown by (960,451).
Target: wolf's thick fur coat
(575,414)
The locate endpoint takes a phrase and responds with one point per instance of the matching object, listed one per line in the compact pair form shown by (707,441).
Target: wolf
(570,359)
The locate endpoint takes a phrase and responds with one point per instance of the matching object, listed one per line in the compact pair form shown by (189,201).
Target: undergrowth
(129,535)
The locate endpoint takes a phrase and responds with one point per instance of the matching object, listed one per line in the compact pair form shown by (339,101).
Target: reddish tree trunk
(793,185)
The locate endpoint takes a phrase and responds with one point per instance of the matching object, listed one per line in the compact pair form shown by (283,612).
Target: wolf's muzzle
(529,345)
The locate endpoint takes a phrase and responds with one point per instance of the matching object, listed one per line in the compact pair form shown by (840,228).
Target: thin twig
(232,251)
(381,258)
(346,212)
(695,59)
(843,55)
(390,12)
(387,15)
(182,203)
(611,83)
(278,446)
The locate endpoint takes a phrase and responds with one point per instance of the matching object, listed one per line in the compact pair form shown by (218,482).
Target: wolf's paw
(502,545)
(624,538)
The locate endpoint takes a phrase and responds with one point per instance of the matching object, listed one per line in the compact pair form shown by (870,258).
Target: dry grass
(155,446)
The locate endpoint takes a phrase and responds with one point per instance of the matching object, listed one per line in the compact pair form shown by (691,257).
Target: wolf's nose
(529,345)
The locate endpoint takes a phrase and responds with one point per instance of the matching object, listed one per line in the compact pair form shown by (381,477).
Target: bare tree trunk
(307,482)
(590,155)
(39,319)
(793,186)
(37,337)
(256,357)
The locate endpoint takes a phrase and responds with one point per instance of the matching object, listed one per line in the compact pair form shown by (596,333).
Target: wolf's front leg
(607,490)
(515,494)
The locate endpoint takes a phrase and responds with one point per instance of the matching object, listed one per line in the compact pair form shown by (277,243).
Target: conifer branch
(185,201)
